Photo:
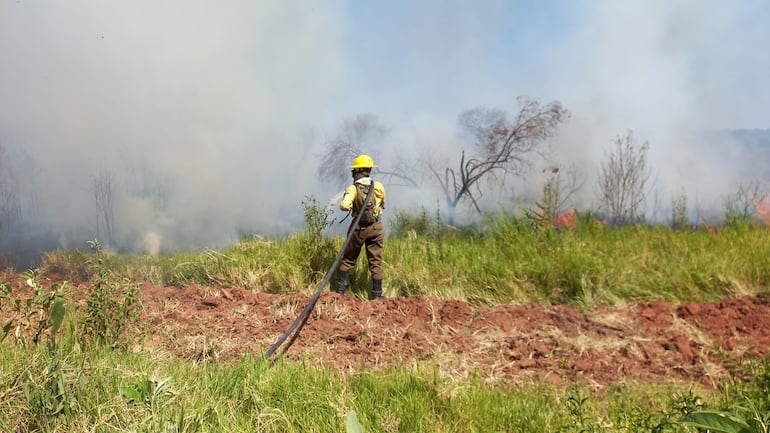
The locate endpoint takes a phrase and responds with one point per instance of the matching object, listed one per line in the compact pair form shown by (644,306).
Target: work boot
(376,292)
(342,282)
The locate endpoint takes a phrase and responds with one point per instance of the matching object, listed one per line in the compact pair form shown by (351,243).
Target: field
(587,329)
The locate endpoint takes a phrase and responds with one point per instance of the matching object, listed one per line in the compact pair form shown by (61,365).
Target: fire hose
(296,326)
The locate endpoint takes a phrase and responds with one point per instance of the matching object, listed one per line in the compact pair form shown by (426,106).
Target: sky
(208,120)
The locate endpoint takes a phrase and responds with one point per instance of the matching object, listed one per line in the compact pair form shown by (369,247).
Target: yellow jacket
(378,195)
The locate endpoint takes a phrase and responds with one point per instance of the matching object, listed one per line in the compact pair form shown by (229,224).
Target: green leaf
(57,314)
(717,421)
(352,425)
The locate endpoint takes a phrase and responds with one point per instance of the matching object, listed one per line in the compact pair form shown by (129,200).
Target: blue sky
(446,53)
(439,52)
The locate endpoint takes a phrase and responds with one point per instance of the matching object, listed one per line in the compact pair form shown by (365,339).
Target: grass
(66,385)
(508,261)
(117,391)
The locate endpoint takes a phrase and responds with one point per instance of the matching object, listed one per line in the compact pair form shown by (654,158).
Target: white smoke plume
(210,119)
(199,114)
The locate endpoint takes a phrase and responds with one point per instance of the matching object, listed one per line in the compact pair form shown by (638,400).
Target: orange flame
(762,206)
(564,220)
(567,220)
(710,227)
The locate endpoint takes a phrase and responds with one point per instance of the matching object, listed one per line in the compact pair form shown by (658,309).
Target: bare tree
(679,213)
(400,173)
(624,178)
(742,205)
(104,199)
(501,147)
(355,136)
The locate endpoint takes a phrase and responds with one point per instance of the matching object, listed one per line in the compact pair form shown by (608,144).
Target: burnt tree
(502,146)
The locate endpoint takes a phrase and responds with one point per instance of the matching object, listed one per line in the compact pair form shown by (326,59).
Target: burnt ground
(642,342)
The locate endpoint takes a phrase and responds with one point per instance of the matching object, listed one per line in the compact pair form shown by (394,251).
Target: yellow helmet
(363,161)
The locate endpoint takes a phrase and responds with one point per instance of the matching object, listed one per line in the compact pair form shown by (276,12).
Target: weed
(579,421)
(667,419)
(111,307)
(49,389)
(545,215)
(748,418)
(33,316)
(747,399)
(316,217)
(318,251)
(46,382)
(151,393)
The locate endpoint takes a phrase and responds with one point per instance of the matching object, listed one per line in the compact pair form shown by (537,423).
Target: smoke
(201,115)
(676,73)
(672,72)
(210,120)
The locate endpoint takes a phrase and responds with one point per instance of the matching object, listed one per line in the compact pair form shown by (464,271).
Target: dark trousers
(373,237)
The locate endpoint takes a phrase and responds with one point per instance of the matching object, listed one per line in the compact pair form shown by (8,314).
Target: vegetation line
(506,259)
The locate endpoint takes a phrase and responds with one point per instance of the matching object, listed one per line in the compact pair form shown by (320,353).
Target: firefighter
(369,232)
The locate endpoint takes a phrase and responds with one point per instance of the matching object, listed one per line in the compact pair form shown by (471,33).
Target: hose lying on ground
(299,322)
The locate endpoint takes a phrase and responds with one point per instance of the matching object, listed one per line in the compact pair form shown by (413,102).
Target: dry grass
(285,309)
(332,310)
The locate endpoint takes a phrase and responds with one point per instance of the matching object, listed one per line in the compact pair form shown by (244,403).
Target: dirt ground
(642,342)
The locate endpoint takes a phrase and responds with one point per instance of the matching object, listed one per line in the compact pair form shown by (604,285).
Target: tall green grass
(508,260)
(117,391)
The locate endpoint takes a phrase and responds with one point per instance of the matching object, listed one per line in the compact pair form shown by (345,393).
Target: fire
(710,227)
(561,220)
(762,206)
(567,220)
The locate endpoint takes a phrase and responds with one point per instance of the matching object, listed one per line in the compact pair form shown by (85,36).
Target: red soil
(642,342)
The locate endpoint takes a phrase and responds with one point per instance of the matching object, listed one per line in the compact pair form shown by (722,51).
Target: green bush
(111,306)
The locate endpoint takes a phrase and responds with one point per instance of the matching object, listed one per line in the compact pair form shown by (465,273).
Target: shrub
(111,307)
(317,250)
(33,316)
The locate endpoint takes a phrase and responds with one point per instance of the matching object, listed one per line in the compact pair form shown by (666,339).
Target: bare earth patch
(643,342)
